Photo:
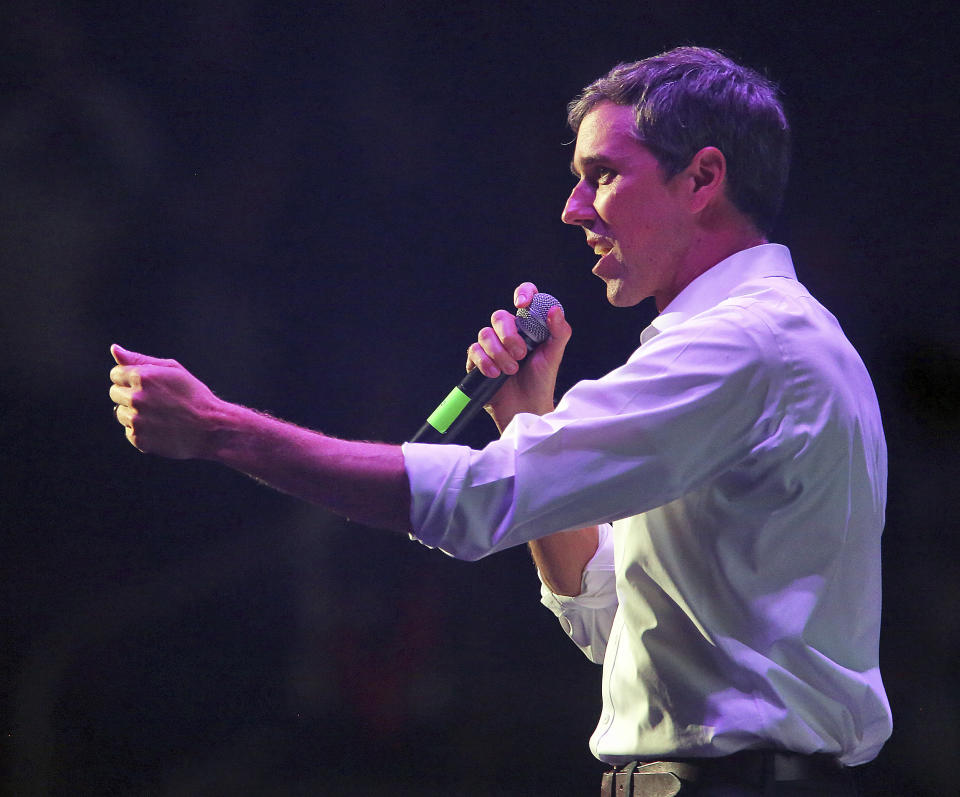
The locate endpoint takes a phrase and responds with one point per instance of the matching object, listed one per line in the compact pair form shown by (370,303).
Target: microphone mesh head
(532,320)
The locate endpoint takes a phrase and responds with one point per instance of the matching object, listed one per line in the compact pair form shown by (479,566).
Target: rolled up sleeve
(587,618)
(675,414)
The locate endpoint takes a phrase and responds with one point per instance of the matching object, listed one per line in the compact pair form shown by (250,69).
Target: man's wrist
(502,418)
(227,431)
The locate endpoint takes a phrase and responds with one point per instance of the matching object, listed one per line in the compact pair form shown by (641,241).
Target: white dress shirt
(739,455)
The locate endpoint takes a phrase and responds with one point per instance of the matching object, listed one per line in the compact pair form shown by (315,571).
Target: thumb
(124,357)
(560,330)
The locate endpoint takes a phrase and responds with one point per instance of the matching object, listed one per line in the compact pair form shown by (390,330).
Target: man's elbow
(568,587)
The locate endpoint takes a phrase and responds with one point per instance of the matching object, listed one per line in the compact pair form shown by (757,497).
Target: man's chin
(618,297)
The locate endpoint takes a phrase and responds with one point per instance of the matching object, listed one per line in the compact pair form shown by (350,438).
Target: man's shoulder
(779,307)
(772,322)
(758,312)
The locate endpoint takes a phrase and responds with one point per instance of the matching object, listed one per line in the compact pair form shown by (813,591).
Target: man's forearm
(560,557)
(166,410)
(365,482)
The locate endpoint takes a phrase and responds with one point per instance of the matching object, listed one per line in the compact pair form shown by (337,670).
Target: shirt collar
(720,281)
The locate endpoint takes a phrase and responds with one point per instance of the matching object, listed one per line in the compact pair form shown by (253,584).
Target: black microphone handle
(475,386)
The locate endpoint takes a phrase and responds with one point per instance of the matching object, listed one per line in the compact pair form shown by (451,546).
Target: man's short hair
(691,97)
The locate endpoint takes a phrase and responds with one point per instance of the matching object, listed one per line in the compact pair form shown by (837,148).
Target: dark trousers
(797,788)
(747,774)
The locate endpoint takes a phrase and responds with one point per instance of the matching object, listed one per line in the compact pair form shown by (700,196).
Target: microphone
(475,390)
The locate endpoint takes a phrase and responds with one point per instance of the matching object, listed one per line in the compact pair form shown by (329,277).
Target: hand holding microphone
(537,333)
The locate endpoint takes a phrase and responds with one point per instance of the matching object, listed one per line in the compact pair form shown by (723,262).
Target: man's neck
(705,252)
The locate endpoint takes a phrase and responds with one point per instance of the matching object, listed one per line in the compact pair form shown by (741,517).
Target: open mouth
(600,246)
(606,266)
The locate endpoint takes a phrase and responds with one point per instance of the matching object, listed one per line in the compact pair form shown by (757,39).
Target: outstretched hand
(163,408)
(500,349)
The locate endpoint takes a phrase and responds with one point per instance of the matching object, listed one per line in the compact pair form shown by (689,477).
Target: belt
(751,767)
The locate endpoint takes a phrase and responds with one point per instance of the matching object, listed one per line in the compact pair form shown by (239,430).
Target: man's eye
(604,176)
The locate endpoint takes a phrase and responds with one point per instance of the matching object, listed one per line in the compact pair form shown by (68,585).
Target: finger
(121,395)
(125,415)
(125,357)
(126,376)
(523,295)
(495,351)
(132,437)
(505,325)
(478,358)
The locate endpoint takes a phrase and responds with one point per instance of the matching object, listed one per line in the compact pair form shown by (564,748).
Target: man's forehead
(606,131)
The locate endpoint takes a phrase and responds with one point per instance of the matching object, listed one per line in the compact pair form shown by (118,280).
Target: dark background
(314,207)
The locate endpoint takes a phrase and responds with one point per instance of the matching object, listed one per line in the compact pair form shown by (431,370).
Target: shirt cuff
(588,617)
(431,469)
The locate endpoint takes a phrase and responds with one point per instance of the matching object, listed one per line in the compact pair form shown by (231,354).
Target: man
(706,518)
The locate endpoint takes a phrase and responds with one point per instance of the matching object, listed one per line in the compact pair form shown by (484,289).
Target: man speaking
(705,518)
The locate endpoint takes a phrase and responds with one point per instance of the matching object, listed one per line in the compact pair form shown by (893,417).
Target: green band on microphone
(441,418)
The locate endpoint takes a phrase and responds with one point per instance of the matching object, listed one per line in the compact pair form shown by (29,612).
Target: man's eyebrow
(589,160)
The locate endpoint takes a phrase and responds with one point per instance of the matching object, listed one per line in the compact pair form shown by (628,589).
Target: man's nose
(579,208)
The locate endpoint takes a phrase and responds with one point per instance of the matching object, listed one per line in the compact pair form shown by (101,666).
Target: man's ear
(707,172)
